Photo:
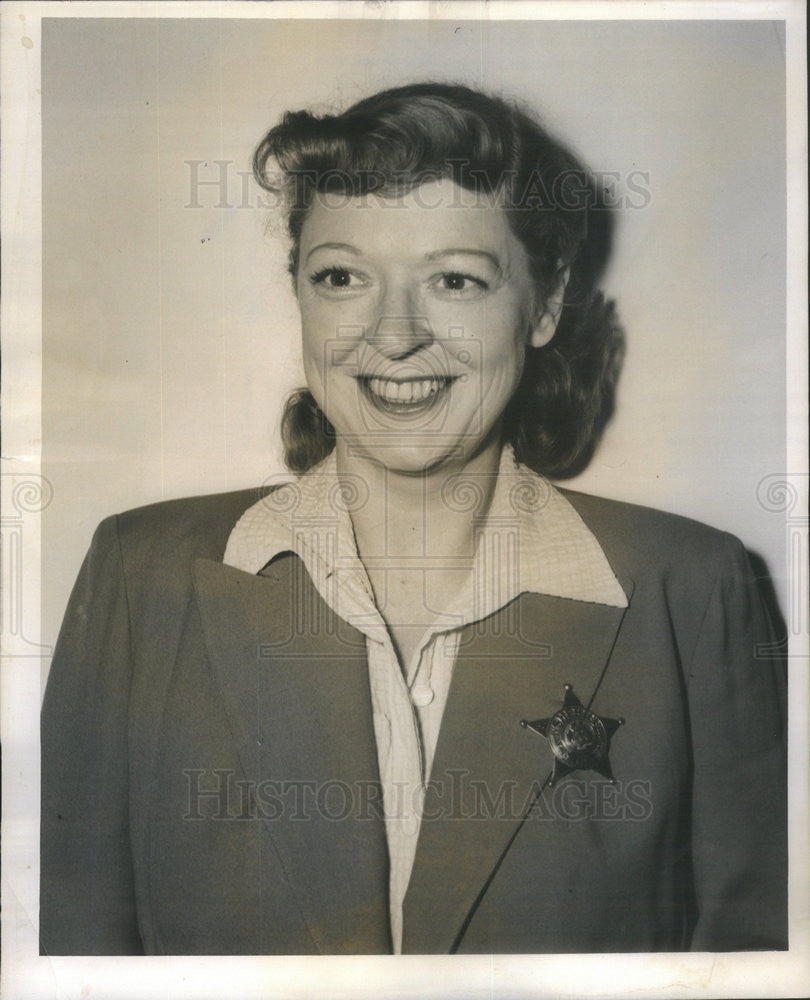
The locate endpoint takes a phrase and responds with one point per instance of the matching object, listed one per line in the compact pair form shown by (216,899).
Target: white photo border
(27,975)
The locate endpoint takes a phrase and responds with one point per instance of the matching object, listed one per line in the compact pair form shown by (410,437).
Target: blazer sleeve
(87,898)
(737,705)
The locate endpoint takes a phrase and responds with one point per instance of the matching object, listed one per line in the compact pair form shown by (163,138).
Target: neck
(430,514)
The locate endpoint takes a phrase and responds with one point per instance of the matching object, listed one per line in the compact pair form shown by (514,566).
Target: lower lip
(400,407)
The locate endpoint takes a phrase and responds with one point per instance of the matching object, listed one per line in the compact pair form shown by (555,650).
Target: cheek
(315,339)
(329,340)
(504,351)
(502,326)
(313,353)
(502,371)
(507,373)
(329,362)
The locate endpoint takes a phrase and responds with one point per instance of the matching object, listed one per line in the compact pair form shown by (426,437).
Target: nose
(400,329)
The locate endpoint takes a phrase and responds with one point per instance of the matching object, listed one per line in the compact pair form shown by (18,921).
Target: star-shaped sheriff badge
(579,739)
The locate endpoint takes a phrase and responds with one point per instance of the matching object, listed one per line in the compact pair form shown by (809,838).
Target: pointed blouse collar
(531,539)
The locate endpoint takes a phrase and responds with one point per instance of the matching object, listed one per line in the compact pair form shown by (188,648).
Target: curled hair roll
(306,433)
(567,394)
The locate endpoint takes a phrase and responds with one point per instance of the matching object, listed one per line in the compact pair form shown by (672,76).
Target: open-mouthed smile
(406,395)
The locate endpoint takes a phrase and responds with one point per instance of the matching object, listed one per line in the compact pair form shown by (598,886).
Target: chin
(418,457)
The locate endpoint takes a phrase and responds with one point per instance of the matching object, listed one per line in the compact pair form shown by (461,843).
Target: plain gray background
(170,332)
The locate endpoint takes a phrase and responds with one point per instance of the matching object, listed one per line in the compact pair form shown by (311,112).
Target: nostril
(399,336)
(400,351)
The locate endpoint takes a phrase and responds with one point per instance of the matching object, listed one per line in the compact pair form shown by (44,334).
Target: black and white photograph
(404,500)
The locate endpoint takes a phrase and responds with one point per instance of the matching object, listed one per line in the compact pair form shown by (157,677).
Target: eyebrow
(334,246)
(471,251)
(433,255)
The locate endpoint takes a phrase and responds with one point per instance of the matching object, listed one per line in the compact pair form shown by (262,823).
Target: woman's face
(416,313)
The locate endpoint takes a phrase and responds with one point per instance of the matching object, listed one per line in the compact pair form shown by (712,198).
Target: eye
(459,283)
(336,279)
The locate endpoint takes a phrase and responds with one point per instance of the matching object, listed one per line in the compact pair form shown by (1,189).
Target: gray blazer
(210,782)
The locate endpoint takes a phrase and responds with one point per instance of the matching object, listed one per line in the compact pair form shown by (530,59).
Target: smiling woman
(377,312)
(414,698)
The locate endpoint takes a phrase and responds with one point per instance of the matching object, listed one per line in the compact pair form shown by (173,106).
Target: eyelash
(319,278)
(478,282)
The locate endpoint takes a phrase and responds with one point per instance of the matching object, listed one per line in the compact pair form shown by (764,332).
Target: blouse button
(421,695)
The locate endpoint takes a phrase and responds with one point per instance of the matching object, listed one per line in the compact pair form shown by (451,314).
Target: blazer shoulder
(640,538)
(169,535)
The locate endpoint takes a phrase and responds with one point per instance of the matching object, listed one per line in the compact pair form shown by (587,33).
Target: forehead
(435,215)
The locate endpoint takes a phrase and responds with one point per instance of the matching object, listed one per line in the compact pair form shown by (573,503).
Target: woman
(416,699)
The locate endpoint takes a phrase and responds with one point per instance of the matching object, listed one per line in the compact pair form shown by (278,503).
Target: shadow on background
(767,592)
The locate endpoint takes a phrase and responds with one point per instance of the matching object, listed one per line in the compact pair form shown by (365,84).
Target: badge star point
(579,739)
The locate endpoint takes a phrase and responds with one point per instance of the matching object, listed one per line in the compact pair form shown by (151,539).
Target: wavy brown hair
(400,138)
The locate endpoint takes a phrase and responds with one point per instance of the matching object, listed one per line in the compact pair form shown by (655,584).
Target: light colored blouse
(530,540)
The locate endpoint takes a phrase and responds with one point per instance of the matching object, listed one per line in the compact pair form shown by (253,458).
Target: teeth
(405,392)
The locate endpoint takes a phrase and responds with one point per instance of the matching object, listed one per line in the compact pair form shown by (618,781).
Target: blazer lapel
(488,770)
(294,681)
